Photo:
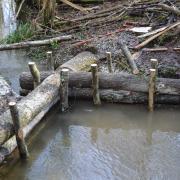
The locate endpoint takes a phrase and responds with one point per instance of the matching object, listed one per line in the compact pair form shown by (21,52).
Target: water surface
(109,142)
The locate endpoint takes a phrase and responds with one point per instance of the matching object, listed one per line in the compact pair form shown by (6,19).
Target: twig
(19,9)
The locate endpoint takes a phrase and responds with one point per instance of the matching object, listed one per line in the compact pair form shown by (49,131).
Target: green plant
(22,33)
(54,45)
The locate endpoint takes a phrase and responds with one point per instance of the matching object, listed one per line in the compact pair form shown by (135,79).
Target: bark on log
(81,62)
(30,106)
(111,81)
(121,96)
(9,146)
(28,44)
(31,110)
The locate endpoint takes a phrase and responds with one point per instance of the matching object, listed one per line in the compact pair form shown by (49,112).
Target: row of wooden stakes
(64,74)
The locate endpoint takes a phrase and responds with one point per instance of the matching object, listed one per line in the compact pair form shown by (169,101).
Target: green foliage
(23,32)
(54,45)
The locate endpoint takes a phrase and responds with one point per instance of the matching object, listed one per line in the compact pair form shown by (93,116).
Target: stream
(113,141)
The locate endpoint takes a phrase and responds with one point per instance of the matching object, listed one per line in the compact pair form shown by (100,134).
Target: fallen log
(109,95)
(81,62)
(117,81)
(28,44)
(120,96)
(9,146)
(32,108)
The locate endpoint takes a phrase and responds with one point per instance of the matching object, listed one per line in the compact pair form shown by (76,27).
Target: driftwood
(117,81)
(28,44)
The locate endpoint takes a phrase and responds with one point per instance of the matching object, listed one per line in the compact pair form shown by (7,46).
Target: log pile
(35,105)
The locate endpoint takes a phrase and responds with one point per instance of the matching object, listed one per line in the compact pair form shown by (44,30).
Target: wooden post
(154,64)
(109,60)
(64,77)
(23,152)
(152,85)
(50,61)
(95,84)
(35,73)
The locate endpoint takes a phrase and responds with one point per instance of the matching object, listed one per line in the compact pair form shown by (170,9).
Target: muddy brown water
(108,142)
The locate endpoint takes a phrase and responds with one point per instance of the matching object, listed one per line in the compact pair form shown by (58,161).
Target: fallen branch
(28,44)
(129,57)
(75,6)
(144,43)
(160,49)
(19,9)
(173,9)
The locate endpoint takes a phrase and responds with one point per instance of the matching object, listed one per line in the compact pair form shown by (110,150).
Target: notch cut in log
(23,152)
(95,84)
(152,82)
(64,76)
(109,61)
(50,61)
(35,73)
(129,57)
(117,81)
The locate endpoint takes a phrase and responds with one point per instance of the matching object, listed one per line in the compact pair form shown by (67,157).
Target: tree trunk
(111,81)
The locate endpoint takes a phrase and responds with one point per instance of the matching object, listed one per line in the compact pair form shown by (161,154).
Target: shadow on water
(108,142)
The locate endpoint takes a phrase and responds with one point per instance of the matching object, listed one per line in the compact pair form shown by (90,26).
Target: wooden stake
(152,85)
(95,84)
(50,61)
(64,77)
(154,64)
(23,152)
(35,73)
(109,60)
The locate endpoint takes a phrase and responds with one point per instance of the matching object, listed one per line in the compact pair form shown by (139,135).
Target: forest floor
(101,30)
